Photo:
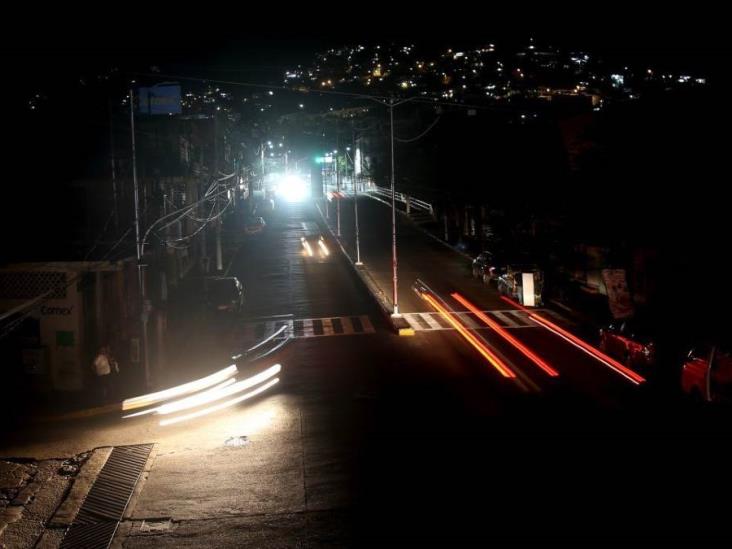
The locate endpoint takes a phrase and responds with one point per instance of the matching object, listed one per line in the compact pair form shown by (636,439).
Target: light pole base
(396,314)
(358,264)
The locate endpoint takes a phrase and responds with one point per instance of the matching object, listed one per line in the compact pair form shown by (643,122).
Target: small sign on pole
(160,99)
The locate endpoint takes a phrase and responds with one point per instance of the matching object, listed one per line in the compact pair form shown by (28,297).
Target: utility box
(527,288)
(525,284)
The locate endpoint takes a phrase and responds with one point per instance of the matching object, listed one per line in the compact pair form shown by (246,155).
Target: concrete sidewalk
(37,497)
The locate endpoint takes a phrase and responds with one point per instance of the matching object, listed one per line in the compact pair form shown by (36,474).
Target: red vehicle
(630,342)
(707,373)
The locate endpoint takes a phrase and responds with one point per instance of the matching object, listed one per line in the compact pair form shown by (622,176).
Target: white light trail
(220,406)
(180,390)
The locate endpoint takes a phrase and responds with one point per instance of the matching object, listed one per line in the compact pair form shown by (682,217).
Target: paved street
(445,271)
(371,438)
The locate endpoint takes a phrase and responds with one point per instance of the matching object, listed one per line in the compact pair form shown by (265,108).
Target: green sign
(64,338)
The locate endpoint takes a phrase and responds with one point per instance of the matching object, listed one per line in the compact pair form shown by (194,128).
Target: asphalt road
(371,439)
(445,271)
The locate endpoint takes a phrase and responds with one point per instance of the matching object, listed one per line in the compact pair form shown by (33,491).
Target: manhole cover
(237,442)
(155,525)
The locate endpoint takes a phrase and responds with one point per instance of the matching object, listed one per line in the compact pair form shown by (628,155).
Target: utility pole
(219,258)
(219,221)
(140,266)
(112,161)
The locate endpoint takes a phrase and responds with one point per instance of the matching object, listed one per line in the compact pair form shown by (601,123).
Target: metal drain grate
(97,520)
(90,536)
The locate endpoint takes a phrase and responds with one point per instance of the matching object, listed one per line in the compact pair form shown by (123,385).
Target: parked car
(224,293)
(707,373)
(255,225)
(511,284)
(631,341)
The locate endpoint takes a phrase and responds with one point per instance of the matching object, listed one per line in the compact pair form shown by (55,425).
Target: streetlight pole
(138,243)
(337,197)
(395,281)
(355,192)
(394,264)
(261,185)
(338,182)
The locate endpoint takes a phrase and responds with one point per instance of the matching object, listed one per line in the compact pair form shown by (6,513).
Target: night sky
(60,60)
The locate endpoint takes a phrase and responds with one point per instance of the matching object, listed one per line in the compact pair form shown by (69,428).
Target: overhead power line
(421,135)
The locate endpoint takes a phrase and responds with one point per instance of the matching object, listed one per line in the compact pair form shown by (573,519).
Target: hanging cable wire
(99,238)
(384,100)
(300,89)
(188,237)
(8,328)
(203,226)
(183,211)
(187,214)
(368,128)
(13,324)
(421,135)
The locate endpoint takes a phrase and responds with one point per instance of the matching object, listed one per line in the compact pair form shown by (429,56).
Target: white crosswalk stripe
(468,321)
(310,327)
(505,319)
(511,319)
(327,327)
(429,320)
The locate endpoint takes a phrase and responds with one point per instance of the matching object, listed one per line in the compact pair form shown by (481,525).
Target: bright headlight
(292,188)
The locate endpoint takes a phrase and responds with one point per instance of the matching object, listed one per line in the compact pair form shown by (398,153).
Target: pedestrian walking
(104,366)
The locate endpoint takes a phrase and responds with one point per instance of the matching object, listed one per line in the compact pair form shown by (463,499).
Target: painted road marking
(510,319)
(311,327)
